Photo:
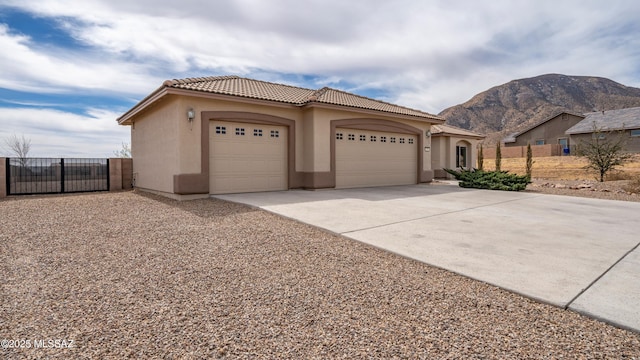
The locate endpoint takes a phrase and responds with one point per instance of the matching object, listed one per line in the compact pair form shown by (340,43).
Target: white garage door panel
(247,163)
(375,163)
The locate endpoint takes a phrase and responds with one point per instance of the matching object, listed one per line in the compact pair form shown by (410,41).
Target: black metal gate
(26,176)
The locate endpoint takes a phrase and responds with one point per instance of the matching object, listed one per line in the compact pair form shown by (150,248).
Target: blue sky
(69,68)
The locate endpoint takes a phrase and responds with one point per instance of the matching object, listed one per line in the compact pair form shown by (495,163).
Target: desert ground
(133,275)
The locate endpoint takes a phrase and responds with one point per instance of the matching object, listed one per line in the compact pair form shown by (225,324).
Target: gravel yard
(135,275)
(609,190)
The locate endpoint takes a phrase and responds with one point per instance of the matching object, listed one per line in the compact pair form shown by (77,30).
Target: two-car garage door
(246,157)
(373,158)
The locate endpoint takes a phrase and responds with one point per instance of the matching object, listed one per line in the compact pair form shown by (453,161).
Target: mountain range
(513,106)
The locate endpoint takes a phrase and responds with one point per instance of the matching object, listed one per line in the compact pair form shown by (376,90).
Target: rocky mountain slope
(520,103)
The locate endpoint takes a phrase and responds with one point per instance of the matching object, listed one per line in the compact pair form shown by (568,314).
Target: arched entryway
(463,154)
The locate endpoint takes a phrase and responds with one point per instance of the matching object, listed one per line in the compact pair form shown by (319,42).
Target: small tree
(124,152)
(498,157)
(19,147)
(604,151)
(529,161)
(480,159)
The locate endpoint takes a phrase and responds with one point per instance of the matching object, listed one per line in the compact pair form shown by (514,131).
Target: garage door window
(363,137)
(240,131)
(338,136)
(401,140)
(373,138)
(383,139)
(257,132)
(392,139)
(275,133)
(352,137)
(221,130)
(410,141)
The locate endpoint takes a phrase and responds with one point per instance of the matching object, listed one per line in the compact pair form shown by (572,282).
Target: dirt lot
(565,168)
(133,275)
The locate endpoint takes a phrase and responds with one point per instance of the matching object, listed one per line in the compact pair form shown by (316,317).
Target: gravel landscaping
(132,275)
(624,190)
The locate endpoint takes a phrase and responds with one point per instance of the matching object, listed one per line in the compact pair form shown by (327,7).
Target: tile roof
(628,118)
(237,86)
(256,89)
(442,129)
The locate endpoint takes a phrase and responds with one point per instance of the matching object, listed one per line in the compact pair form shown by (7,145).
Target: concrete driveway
(571,252)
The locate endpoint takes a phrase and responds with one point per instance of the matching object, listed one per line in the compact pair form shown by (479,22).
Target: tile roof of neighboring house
(442,129)
(628,118)
(511,138)
(262,90)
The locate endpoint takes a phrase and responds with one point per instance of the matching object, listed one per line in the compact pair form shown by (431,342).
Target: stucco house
(199,136)
(625,120)
(549,131)
(453,147)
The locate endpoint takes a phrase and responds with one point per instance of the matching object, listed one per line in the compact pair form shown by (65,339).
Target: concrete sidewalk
(571,252)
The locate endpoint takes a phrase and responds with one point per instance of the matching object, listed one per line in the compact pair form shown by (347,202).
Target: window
(564,143)
(240,131)
(392,139)
(275,133)
(635,132)
(383,139)
(410,141)
(221,130)
(352,137)
(338,136)
(363,138)
(461,156)
(540,142)
(257,132)
(599,136)
(401,140)
(373,138)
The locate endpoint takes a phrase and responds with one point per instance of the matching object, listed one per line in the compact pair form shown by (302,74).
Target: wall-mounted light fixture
(191,115)
(428,133)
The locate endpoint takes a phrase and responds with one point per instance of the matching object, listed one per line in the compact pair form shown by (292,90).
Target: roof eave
(465,136)
(433,120)
(160,92)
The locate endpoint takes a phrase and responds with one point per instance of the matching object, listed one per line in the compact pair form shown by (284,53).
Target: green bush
(492,180)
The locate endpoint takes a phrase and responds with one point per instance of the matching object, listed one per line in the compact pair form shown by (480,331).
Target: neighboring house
(549,131)
(451,148)
(626,120)
(214,135)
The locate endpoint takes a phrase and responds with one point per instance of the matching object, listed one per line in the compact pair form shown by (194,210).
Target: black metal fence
(26,176)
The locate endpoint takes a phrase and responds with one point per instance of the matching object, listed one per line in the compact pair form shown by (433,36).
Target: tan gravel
(128,275)
(610,190)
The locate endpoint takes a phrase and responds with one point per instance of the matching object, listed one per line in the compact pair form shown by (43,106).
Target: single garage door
(247,157)
(371,158)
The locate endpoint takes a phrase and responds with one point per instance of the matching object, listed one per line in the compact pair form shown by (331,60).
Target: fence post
(4,177)
(115,174)
(62,175)
(127,173)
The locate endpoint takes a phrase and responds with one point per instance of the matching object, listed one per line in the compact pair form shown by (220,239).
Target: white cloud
(56,133)
(430,55)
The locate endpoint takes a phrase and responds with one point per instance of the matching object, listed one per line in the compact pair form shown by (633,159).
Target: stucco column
(3,177)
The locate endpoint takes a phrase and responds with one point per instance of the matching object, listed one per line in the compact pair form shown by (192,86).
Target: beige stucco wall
(550,131)
(3,177)
(155,145)
(632,145)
